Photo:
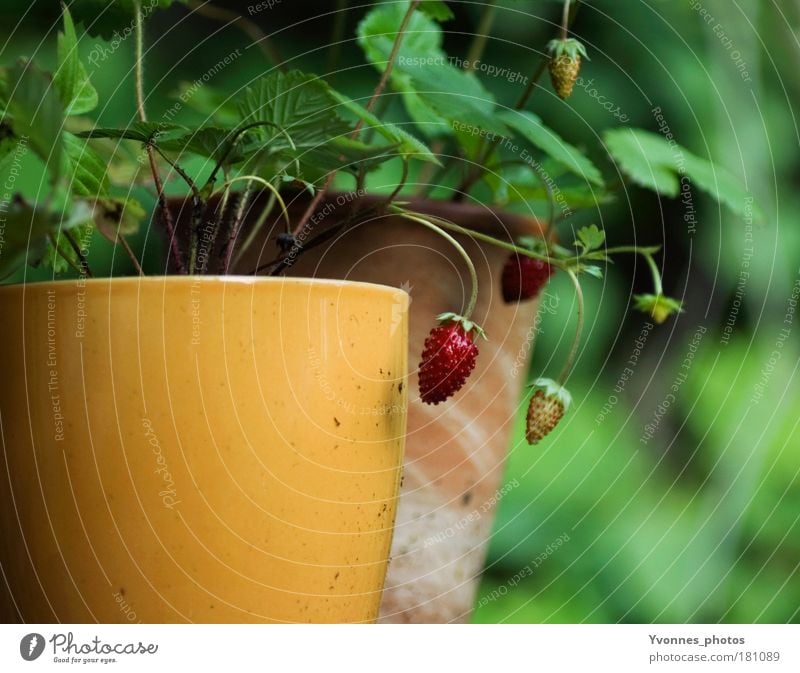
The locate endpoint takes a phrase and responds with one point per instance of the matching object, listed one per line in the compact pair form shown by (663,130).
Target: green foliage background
(700,522)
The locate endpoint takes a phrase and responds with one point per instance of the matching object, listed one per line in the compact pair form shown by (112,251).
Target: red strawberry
(524,277)
(547,406)
(448,357)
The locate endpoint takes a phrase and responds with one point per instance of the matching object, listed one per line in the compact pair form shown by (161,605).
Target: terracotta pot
(206,450)
(455,452)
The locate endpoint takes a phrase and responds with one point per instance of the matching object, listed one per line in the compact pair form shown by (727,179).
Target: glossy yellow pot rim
(233,281)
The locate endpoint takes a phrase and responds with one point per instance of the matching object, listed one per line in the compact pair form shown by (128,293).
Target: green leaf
(114,19)
(27,229)
(651,161)
(436,9)
(592,270)
(35,113)
(77,94)
(115,216)
(532,129)
(407,144)
(52,259)
(722,186)
(310,130)
(140,131)
(215,106)
(87,171)
(435,92)
(299,105)
(591,237)
(523,184)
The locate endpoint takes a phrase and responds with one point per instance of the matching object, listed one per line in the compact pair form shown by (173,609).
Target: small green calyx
(658,307)
(468,325)
(553,389)
(571,48)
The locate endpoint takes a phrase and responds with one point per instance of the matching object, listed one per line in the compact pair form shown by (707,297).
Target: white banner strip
(401,649)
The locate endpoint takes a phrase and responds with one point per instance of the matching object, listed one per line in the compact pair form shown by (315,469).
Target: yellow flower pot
(199,449)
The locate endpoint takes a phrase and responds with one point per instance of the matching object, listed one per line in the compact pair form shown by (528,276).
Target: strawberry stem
(659,290)
(478,236)
(578,328)
(419,219)
(565,21)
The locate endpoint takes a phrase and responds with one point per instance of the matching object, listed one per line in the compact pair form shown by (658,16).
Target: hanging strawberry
(565,64)
(548,404)
(448,357)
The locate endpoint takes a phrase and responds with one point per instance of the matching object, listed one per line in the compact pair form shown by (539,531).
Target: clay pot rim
(477,216)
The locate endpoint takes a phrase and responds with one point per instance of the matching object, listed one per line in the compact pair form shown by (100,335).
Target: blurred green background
(697,518)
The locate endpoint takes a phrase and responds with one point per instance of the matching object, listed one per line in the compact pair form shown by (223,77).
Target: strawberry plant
(291,130)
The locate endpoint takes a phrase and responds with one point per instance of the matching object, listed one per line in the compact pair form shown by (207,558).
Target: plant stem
(567,18)
(565,21)
(248,27)
(478,45)
(476,173)
(578,328)
(139,65)
(387,72)
(183,174)
(131,255)
(478,236)
(251,236)
(166,214)
(473,300)
(401,183)
(659,290)
(237,225)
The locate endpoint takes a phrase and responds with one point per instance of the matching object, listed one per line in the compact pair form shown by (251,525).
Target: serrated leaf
(548,141)
(87,172)
(406,143)
(591,237)
(651,161)
(77,94)
(435,92)
(311,131)
(645,158)
(299,105)
(35,113)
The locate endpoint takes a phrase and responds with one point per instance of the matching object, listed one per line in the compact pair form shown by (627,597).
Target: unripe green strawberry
(565,64)
(547,406)
(657,306)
